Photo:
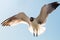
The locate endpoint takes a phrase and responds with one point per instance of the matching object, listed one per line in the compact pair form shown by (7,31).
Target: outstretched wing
(45,11)
(16,19)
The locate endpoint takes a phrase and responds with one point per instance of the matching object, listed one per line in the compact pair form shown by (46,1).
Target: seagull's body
(36,24)
(36,28)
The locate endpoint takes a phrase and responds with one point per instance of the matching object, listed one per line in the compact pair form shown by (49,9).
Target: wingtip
(4,24)
(59,3)
(54,4)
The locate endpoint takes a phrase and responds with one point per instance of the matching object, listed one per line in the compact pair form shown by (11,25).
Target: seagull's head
(31,19)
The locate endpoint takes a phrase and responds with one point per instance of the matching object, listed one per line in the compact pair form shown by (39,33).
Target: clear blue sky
(32,8)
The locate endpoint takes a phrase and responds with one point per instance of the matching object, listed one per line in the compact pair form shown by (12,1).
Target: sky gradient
(32,8)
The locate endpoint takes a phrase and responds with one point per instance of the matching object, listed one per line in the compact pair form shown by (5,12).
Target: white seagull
(36,25)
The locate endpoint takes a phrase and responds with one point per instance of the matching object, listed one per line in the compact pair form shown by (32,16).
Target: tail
(41,30)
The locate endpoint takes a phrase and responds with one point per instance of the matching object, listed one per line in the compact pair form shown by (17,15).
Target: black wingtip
(55,4)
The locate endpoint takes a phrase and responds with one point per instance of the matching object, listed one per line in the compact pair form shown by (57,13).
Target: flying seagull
(36,25)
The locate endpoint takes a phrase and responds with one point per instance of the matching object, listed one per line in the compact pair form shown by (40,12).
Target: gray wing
(16,19)
(45,11)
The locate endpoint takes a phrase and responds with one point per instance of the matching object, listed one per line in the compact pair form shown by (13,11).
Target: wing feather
(45,11)
(16,19)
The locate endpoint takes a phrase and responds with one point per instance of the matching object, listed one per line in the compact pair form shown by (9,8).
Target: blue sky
(32,8)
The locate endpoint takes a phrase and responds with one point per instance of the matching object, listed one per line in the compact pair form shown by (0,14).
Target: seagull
(36,25)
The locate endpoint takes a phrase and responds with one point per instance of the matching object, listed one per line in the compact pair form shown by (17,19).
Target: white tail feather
(41,29)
